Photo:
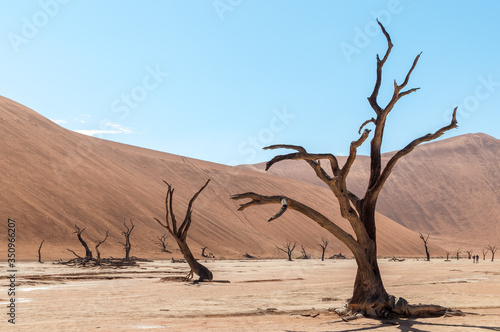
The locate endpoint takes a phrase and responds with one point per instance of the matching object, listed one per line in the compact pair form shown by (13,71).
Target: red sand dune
(52,178)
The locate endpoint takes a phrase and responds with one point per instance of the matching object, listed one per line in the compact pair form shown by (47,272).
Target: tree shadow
(412,325)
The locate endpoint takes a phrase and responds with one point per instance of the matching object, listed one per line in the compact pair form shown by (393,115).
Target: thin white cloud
(111,128)
(59,121)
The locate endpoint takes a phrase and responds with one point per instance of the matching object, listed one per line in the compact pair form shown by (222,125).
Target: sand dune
(52,178)
(448,188)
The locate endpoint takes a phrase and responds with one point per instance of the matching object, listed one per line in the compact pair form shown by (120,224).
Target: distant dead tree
(162,242)
(469,254)
(425,239)
(369,294)
(458,253)
(88,253)
(288,248)
(484,251)
(323,248)
(180,233)
(338,256)
(40,252)
(304,254)
(98,253)
(126,233)
(448,255)
(493,250)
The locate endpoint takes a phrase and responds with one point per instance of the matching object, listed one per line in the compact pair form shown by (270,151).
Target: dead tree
(484,251)
(458,252)
(288,248)
(369,295)
(304,254)
(469,253)
(97,252)
(88,253)
(180,233)
(162,242)
(126,233)
(323,248)
(493,250)
(40,252)
(203,252)
(425,239)
(448,255)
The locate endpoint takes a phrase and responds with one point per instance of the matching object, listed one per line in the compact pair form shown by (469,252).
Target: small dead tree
(304,254)
(288,248)
(448,255)
(126,233)
(162,242)
(180,233)
(323,248)
(425,239)
(469,254)
(493,250)
(485,251)
(40,252)
(97,252)
(458,252)
(88,252)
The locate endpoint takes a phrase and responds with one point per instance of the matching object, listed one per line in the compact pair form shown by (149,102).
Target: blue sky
(217,80)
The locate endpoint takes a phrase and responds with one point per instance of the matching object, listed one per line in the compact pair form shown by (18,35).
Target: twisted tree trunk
(180,234)
(88,252)
(425,239)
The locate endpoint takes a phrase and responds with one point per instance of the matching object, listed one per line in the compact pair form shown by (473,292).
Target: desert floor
(263,295)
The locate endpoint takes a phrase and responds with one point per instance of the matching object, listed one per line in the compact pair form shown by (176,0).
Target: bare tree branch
(284,206)
(319,218)
(352,153)
(311,158)
(380,64)
(187,220)
(375,190)
(365,123)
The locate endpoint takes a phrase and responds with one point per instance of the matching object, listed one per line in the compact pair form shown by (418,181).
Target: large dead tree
(369,295)
(180,233)
(425,239)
